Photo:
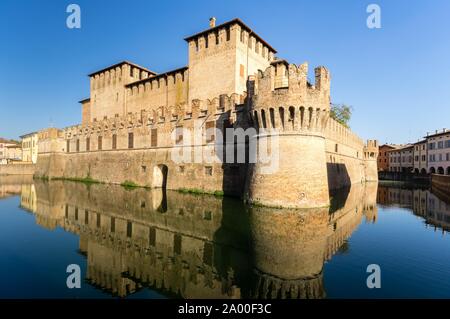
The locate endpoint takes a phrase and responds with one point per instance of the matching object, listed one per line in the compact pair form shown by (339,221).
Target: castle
(232,80)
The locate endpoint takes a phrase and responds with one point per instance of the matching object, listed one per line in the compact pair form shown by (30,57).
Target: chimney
(212,22)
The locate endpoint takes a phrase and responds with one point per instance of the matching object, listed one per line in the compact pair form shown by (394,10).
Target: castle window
(86,216)
(196,45)
(263,119)
(242,36)
(179,135)
(130,140)
(181,169)
(281,111)
(216,34)
(210,136)
(177,244)
(272,117)
(152,236)
(129,229)
(98,220)
(206,41)
(257,47)
(78,145)
(131,71)
(88,144)
(208,170)
(114,141)
(207,215)
(144,168)
(99,143)
(113,224)
(154,137)
(335,148)
(228,34)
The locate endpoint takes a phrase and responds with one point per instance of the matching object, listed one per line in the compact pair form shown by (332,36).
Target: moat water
(139,243)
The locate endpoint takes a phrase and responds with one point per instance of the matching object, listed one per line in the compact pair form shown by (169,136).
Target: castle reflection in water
(193,246)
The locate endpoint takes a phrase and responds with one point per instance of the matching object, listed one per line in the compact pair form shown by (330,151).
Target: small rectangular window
(154,137)
(179,135)
(100,140)
(130,140)
(129,229)
(78,145)
(208,170)
(68,146)
(210,132)
(152,236)
(177,244)
(114,141)
(88,144)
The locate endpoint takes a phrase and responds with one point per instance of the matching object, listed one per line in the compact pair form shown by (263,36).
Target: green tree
(342,113)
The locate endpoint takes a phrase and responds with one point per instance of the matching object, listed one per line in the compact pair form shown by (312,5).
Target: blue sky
(397,78)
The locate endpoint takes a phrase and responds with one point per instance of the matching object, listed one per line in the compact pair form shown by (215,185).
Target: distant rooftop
(228,23)
(6,141)
(438,133)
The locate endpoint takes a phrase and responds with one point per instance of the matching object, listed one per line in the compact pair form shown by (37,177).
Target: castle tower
(107,96)
(370,160)
(222,57)
(292,119)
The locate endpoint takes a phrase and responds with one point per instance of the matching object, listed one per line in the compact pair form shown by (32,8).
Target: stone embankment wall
(17,169)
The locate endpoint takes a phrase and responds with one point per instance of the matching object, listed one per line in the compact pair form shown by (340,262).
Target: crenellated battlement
(337,132)
(287,84)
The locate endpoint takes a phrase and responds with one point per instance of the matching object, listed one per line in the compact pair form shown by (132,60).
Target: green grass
(86,180)
(197,191)
(129,184)
(44,177)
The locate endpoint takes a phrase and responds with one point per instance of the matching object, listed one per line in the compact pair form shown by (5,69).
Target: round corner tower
(289,115)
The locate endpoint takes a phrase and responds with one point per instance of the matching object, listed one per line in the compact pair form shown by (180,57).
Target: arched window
(281,111)
(292,115)
(263,119)
(255,115)
(272,117)
(302,115)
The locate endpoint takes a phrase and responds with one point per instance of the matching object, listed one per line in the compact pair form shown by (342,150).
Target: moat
(144,243)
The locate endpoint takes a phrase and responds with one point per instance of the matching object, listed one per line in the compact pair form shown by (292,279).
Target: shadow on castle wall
(337,174)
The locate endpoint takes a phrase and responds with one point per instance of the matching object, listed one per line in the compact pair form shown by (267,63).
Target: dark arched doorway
(440,170)
(448,170)
(432,170)
(160,176)
(423,171)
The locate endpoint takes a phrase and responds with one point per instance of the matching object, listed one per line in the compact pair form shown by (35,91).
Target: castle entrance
(160,176)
